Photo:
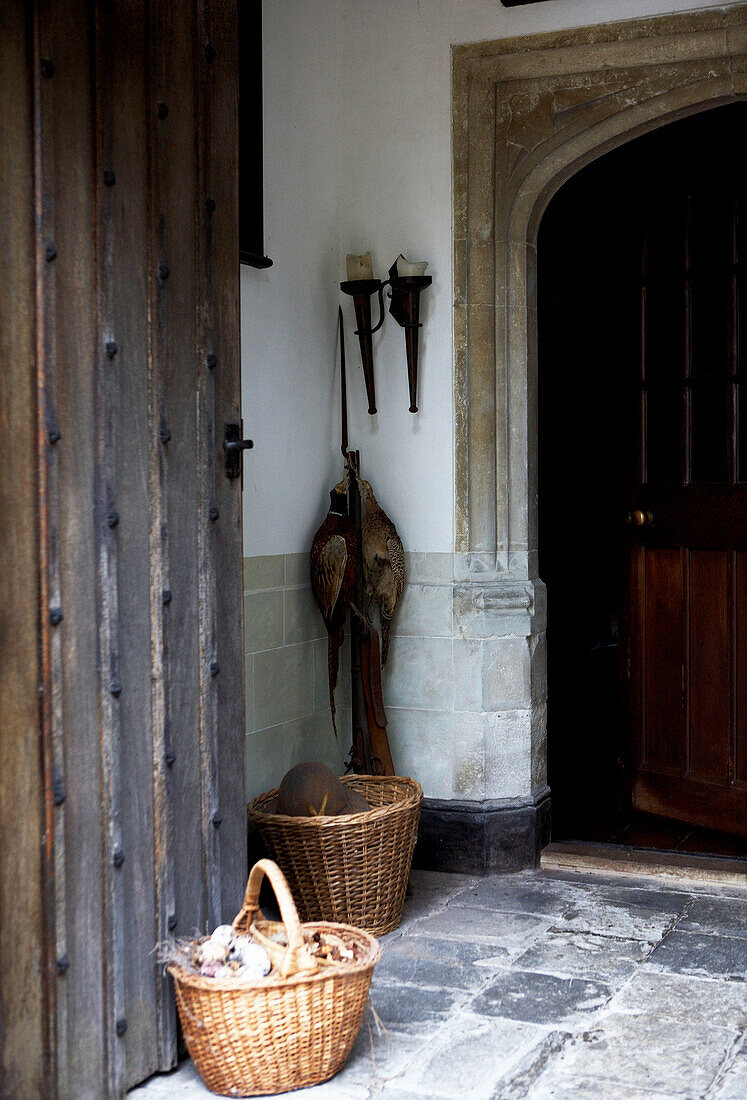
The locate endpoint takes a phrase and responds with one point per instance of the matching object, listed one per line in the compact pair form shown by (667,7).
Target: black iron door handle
(233,445)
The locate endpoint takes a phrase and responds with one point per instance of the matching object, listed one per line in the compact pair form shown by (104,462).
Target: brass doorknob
(639,518)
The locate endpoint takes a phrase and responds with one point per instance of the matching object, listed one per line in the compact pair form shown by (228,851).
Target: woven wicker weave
(280,1033)
(352,868)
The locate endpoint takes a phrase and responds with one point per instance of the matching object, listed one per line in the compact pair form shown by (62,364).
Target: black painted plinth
(478,838)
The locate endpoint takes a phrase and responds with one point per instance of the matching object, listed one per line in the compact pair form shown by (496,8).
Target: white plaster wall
(358,155)
(288,312)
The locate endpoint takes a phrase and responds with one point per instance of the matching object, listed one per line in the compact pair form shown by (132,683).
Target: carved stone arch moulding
(528,113)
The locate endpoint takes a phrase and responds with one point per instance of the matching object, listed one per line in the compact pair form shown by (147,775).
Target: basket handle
(294,959)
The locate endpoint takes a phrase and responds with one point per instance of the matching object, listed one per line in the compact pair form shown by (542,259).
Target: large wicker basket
(352,868)
(283,1032)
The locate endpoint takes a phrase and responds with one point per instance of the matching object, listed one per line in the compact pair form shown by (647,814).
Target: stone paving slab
(448,1067)
(521,1081)
(541,998)
(694,953)
(684,999)
(725,916)
(451,964)
(527,895)
(509,933)
(732,1083)
(625,914)
(633,896)
(428,895)
(412,1008)
(539,985)
(639,1052)
(380,1057)
(590,1088)
(584,955)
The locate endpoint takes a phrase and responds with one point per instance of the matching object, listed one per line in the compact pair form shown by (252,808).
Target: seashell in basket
(213,951)
(253,958)
(225,935)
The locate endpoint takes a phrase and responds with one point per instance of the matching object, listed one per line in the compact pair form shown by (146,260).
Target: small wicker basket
(283,1032)
(352,868)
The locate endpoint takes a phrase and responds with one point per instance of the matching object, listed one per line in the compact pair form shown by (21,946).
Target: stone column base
(478,838)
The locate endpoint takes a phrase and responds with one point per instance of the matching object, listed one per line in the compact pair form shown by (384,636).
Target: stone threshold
(617,859)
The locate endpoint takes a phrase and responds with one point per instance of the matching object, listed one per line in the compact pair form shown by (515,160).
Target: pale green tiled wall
(287,698)
(464,689)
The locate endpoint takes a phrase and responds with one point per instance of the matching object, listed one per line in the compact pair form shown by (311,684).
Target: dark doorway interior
(589,293)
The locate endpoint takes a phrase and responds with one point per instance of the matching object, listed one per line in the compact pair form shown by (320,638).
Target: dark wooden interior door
(687,529)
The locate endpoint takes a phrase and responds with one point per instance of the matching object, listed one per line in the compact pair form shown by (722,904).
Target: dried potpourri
(328,947)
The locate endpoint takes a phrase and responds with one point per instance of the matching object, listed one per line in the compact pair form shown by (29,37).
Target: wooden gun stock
(371,668)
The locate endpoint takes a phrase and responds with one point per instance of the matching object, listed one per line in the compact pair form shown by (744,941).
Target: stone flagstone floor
(544,984)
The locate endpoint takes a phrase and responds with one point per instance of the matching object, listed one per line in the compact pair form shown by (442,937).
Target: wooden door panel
(663,741)
(708,665)
(126,743)
(712,805)
(688,678)
(740,760)
(707,517)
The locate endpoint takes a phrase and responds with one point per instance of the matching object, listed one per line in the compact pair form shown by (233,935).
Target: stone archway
(527,114)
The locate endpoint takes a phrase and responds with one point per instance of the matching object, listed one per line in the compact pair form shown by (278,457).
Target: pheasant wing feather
(397,561)
(329,570)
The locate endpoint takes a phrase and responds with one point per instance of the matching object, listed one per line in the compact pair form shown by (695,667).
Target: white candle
(359,267)
(404,267)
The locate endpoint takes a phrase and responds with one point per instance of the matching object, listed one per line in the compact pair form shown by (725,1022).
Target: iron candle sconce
(405,309)
(361,291)
(406,282)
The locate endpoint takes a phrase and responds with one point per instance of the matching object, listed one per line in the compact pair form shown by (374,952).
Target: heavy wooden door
(121,774)
(687,530)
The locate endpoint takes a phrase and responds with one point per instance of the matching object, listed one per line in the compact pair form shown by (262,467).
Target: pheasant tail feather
(386,633)
(336,636)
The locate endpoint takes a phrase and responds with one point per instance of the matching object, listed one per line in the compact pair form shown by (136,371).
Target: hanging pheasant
(383,563)
(334,562)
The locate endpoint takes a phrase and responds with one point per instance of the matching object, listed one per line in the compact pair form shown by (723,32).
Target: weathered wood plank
(113,854)
(206,442)
(178,844)
(222,185)
(127,273)
(23,1010)
(51,634)
(77,826)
